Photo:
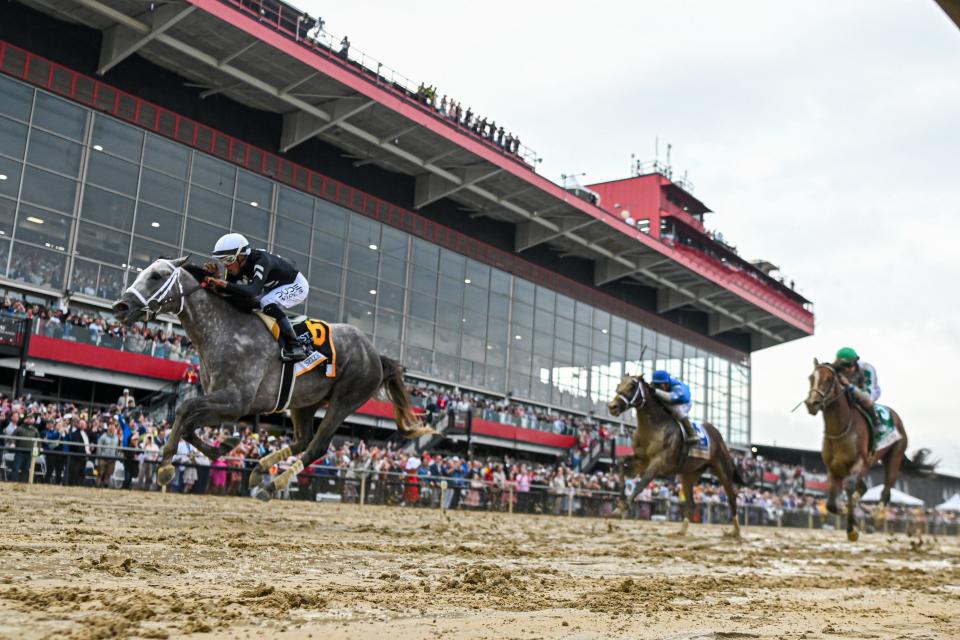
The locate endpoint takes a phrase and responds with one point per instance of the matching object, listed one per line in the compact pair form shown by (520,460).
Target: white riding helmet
(229,247)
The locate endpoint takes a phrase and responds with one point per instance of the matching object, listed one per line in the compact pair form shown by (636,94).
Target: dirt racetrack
(87,563)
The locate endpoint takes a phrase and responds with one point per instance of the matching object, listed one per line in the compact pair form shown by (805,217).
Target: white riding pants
(287,295)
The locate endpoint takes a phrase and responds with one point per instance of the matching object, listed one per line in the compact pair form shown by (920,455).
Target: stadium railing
(363,486)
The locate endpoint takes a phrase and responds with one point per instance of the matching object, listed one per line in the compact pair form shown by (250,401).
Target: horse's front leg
(214,408)
(835,483)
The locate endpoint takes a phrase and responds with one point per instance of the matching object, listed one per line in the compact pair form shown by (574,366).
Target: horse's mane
(199,272)
(654,398)
(195,270)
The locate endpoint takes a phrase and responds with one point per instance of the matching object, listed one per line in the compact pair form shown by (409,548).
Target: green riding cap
(846,354)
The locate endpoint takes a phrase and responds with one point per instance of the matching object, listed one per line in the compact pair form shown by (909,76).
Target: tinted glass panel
(158,224)
(210,207)
(117,138)
(113,173)
(50,230)
(388,324)
(40,267)
(423,306)
(166,156)
(359,315)
(213,174)
(393,270)
(7,210)
(452,264)
(390,296)
(144,252)
(327,247)
(200,237)
(359,286)
(105,245)
(294,204)
(162,190)
(292,235)
(13,138)
(362,259)
(108,208)
(364,231)
(330,219)
(10,177)
(425,254)
(325,276)
(251,221)
(394,243)
(59,115)
(15,99)
(254,189)
(48,190)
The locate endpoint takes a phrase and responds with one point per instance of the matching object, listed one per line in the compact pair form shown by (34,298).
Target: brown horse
(846,443)
(658,448)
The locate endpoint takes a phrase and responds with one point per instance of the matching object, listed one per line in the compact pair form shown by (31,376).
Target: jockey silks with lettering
(269,279)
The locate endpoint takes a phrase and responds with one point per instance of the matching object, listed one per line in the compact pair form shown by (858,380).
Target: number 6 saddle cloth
(315,336)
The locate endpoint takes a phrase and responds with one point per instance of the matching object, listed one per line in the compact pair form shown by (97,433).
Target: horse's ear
(179,262)
(816,362)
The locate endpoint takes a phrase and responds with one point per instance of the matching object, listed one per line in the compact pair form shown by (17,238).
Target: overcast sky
(823,134)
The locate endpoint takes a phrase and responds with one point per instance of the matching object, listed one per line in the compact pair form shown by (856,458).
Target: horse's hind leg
(302,419)
(336,414)
(724,475)
(686,482)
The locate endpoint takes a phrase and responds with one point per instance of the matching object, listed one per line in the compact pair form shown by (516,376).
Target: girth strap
(287,382)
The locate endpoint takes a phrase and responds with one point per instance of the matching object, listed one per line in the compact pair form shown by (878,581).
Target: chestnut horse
(846,443)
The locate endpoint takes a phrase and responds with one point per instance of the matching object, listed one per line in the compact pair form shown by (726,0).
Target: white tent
(896,497)
(953,504)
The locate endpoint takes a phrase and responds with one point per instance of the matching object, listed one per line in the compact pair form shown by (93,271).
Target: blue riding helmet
(660,377)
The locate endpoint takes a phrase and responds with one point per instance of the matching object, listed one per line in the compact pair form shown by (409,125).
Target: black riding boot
(291,349)
(689,432)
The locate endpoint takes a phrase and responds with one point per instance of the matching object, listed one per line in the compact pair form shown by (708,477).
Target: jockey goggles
(228,258)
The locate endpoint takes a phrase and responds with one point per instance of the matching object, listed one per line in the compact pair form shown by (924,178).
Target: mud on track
(87,563)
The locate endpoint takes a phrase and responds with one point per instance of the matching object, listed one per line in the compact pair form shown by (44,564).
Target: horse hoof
(261,494)
(165,475)
(853,535)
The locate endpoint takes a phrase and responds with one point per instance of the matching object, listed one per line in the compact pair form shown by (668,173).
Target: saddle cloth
(315,336)
(886,433)
(701,448)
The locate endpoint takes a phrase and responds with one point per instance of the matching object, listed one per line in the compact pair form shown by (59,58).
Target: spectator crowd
(87,326)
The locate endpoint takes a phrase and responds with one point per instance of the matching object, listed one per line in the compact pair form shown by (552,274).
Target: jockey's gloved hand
(212,267)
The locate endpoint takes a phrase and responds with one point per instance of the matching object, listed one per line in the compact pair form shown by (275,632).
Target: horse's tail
(921,463)
(407,421)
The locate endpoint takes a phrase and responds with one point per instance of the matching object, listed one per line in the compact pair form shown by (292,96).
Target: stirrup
(295,354)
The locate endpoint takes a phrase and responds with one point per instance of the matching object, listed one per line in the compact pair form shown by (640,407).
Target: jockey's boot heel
(290,350)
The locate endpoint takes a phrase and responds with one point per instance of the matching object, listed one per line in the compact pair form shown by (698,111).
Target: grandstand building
(130,130)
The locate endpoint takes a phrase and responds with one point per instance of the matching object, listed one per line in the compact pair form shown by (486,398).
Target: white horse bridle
(162,295)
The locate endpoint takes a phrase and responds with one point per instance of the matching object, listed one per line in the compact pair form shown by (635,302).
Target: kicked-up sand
(87,563)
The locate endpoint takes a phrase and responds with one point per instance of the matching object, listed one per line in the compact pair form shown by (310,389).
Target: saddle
(881,435)
(315,335)
(700,449)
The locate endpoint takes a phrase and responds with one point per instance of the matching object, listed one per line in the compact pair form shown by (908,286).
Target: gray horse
(241,369)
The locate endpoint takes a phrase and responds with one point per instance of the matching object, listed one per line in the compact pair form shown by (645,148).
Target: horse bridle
(826,399)
(631,403)
(152,305)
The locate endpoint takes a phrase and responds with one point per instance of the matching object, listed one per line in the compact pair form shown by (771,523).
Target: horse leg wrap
(269,460)
(165,474)
(282,480)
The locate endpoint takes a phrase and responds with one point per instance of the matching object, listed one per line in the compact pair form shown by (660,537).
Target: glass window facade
(86,201)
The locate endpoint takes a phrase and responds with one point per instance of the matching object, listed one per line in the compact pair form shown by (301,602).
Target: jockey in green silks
(863,386)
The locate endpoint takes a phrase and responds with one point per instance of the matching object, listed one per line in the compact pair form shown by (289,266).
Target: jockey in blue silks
(675,395)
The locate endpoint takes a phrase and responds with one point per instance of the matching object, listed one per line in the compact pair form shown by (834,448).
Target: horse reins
(826,400)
